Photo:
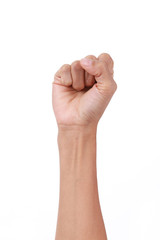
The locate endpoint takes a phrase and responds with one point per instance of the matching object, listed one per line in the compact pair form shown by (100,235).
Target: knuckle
(91,57)
(107,58)
(65,68)
(76,65)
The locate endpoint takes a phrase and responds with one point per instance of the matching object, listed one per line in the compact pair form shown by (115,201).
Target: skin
(80,94)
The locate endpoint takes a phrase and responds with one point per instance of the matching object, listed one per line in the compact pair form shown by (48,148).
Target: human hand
(81,91)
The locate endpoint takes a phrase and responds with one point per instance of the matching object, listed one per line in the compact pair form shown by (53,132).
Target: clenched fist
(81,91)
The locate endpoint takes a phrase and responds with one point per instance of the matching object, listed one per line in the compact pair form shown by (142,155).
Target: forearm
(79,216)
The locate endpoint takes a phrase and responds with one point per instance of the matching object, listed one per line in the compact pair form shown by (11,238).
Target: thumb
(101,71)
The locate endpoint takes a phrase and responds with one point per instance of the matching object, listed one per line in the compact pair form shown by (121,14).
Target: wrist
(77,130)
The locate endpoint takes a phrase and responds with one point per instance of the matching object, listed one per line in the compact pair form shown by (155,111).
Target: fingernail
(86,61)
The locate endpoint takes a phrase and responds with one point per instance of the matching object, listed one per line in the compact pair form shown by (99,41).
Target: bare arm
(79,215)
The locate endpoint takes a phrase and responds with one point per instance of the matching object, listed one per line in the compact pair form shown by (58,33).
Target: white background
(37,37)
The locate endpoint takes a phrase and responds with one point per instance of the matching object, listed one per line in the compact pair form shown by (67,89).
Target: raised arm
(81,92)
